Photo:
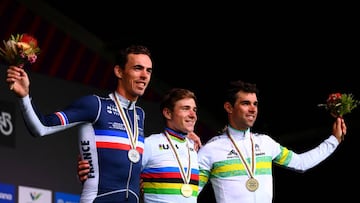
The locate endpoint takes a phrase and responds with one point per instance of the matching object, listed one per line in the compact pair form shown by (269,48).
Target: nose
(193,114)
(253,107)
(145,74)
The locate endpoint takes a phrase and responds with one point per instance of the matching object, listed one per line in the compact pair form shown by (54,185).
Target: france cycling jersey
(103,141)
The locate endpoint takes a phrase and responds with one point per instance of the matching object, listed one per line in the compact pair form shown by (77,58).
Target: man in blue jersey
(169,165)
(112,128)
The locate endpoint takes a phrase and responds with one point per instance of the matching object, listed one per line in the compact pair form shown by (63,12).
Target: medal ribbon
(133,137)
(252,171)
(185,175)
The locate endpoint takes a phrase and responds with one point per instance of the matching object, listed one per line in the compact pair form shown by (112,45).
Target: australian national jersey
(220,162)
(161,172)
(103,141)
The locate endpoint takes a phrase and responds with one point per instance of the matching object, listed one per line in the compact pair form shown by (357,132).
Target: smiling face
(134,78)
(183,117)
(243,113)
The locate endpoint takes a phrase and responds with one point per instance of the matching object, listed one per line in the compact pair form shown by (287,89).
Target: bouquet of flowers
(20,49)
(340,104)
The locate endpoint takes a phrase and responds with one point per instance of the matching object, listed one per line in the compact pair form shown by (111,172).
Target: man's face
(244,111)
(135,76)
(183,118)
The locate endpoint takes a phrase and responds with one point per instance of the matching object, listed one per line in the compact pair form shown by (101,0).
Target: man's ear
(167,113)
(118,71)
(228,107)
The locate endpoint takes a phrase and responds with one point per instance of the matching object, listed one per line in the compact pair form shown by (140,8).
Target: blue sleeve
(83,110)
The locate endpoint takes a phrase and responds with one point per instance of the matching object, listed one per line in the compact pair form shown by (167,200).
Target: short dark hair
(121,56)
(233,87)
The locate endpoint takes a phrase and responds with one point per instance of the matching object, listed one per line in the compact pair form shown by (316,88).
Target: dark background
(296,54)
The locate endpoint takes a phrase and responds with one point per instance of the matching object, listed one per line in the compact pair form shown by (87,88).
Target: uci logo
(6,127)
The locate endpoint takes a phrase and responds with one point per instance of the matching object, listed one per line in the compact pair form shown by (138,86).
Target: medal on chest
(133,154)
(251,184)
(186,189)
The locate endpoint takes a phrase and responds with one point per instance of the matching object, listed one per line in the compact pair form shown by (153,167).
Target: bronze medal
(134,155)
(252,184)
(186,190)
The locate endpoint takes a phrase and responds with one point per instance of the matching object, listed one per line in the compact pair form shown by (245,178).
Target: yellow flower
(23,45)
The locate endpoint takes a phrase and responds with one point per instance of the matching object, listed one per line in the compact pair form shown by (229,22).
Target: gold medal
(186,190)
(134,155)
(252,184)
